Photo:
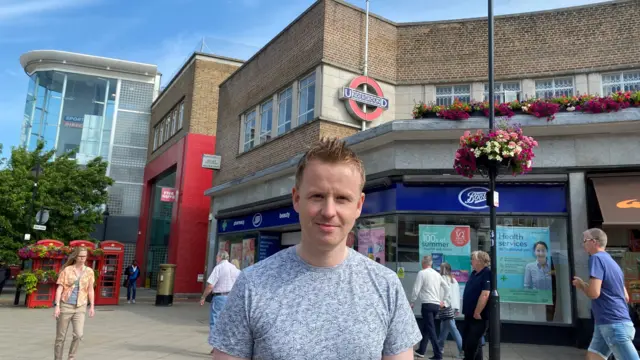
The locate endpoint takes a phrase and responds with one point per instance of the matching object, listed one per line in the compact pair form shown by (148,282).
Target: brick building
(301,85)
(174,213)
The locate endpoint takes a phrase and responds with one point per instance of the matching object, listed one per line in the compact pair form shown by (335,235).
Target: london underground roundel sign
(373,99)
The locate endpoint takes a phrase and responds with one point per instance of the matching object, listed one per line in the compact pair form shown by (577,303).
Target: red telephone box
(92,259)
(46,291)
(110,276)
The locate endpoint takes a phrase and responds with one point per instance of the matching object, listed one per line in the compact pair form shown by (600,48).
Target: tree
(73,194)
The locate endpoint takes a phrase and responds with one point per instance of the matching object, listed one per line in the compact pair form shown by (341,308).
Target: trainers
(128,301)
(417,354)
(133,301)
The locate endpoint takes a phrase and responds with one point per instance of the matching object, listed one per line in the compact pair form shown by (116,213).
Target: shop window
(446,95)
(504,91)
(249,131)
(285,104)
(376,238)
(240,247)
(534,285)
(307,98)
(621,81)
(557,87)
(266,121)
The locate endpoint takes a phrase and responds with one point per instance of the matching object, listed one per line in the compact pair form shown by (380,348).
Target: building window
(504,92)
(249,131)
(622,81)
(285,104)
(446,95)
(155,138)
(552,88)
(167,127)
(181,115)
(174,121)
(307,98)
(266,121)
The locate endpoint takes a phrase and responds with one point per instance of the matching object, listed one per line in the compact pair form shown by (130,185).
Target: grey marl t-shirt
(283,308)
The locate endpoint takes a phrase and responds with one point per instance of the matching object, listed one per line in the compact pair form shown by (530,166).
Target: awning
(619,199)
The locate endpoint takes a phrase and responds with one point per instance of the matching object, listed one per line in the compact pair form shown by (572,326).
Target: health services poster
(524,265)
(450,244)
(371,243)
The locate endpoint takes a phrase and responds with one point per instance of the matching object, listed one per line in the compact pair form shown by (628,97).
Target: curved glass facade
(70,111)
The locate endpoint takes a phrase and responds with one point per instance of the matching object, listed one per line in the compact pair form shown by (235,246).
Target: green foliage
(73,195)
(29,280)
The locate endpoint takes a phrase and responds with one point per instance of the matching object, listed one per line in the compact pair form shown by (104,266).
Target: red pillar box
(40,282)
(109,265)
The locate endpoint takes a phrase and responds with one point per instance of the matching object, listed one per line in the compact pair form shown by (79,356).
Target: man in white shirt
(427,291)
(221,282)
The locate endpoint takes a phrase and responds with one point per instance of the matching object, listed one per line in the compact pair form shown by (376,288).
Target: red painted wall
(190,214)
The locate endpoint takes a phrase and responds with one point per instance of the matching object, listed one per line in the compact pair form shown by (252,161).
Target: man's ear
(295,198)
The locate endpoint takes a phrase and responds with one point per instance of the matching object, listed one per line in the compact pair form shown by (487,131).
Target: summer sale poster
(524,265)
(450,244)
(371,243)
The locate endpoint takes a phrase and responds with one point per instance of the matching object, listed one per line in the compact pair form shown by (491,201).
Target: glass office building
(98,107)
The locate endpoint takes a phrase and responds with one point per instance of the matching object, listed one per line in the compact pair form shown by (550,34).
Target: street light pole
(34,194)
(494,299)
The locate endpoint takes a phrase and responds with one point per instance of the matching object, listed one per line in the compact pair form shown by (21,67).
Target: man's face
(329,200)
(588,244)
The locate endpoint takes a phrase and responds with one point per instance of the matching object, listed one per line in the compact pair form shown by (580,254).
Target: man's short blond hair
(332,151)
(481,256)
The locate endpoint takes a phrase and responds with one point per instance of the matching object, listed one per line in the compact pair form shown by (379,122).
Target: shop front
(405,221)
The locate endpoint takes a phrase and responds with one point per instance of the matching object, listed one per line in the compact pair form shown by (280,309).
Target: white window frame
(283,97)
(455,92)
(558,91)
(155,138)
(251,143)
(265,134)
(631,83)
(304,87)
(505,95)
(174,121)
(181,115)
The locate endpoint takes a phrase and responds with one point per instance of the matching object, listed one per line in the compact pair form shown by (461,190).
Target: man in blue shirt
(474,306)
(613,331)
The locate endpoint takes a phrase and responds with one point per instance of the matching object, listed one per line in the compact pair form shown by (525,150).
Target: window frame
(621,83)
(246,121)
(282,100)
(303,117)
(266,135)
(555,88)
(502,93)
(452,96)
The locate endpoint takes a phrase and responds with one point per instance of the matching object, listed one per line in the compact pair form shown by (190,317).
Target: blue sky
(165,32)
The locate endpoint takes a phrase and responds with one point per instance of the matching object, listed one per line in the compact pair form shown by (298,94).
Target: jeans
(217,304)
(473,337)
(429,312)
(446,327)
(614,338)
(131,290)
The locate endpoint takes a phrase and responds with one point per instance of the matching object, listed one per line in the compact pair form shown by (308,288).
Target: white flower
(571,108)
(528,163)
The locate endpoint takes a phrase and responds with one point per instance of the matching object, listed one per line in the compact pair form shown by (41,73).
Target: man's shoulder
(366,267)
(274,264)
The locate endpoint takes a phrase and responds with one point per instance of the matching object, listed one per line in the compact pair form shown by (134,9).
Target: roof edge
(34,57)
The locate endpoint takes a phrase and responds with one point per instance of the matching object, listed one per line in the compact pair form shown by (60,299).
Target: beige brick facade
(410,59)
(196,84)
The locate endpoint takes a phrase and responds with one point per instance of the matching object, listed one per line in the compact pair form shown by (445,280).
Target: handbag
(209,297)
(446,313)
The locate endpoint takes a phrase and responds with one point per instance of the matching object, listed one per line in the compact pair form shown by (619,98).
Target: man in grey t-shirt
(319,299)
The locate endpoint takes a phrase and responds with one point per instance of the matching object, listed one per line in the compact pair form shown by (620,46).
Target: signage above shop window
(73,121)
(364,98)
(523,199)
(168,194)
(210,161)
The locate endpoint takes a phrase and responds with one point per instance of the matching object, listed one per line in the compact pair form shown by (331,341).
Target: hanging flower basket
(52,252)
(506,147)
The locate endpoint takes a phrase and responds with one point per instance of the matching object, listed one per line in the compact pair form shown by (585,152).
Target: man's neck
(320,257)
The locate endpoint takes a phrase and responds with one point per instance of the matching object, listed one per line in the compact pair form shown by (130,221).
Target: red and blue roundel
(355,97)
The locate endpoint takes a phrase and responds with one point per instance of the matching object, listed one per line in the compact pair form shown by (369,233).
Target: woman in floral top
(75,288)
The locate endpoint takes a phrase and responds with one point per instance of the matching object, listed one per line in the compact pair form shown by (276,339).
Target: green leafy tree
(72,194)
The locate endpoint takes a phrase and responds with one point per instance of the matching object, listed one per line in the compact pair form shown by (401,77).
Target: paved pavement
(143,331)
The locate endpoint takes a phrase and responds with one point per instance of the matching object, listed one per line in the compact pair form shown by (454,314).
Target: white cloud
(13,9)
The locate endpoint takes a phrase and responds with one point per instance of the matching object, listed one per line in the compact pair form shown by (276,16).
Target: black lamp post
(494,299)
(35,172)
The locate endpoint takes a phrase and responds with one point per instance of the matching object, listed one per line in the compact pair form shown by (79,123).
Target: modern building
(174,211)
(303,86)
(99,107)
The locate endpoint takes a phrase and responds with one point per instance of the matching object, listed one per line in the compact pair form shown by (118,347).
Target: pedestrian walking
(219,284)
(474,306)
(320,298)
(449,310)
(428,290)
(132,272)
(5,274)
(613,331)
(74,292)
